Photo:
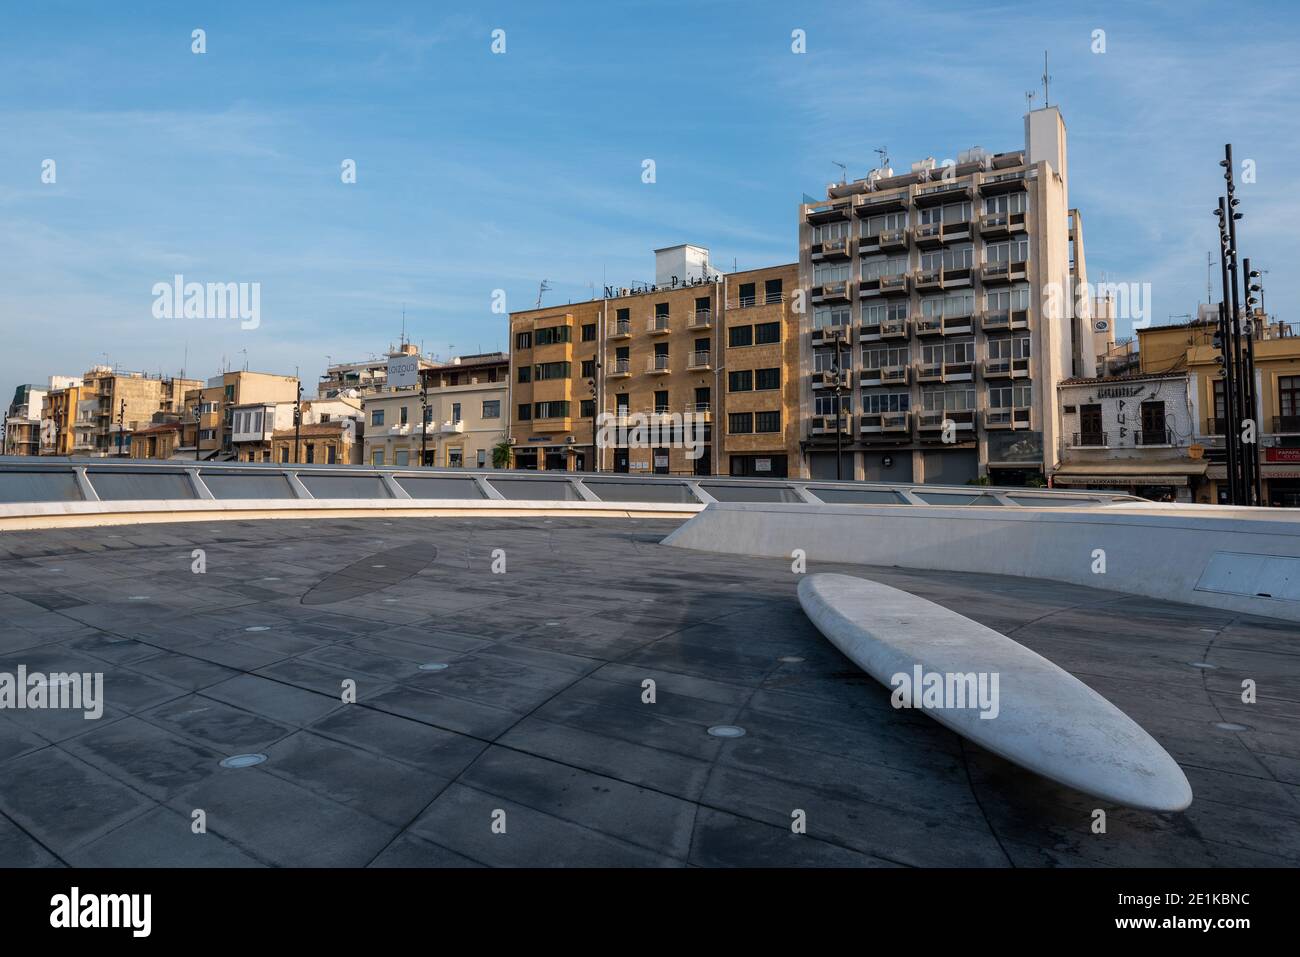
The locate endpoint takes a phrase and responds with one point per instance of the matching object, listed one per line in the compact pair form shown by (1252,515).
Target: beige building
(112,403)
(453,415)
(333,442)
(23,421)
(256,423)
(695,352)
(58,415)
(953,296)
(212,407)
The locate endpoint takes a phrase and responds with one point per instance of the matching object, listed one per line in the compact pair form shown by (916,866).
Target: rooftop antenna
(1209,278)
(882,153)
(543,287)
(1047,81)
(844,172)
(1029,100)
(403,339)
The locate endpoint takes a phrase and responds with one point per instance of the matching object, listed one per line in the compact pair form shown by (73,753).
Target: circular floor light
(790,660)
(242,760)
(1203,665)
(727,731)
(1230,726)
(433,666)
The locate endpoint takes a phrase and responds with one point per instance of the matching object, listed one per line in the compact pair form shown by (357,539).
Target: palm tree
(501,453)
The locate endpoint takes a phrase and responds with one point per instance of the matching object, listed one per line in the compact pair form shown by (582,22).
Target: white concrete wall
(1151,550)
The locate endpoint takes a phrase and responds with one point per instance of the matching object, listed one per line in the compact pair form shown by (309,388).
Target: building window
(284,453)
(740,423)
(623,315)
(740,336)
(524,340)
(827,316)
(331,454)
(874,403)
(588,368)
(377,457)
(482,458)
(455,458)
(455,412)
(552,410)
(747,295)
(772,291)
(401,457)
(588,408)
(525,412)
(661,401)
(377,417)
(311,453)
(766,332)
(525,373)
(1153,423)
(767,379)
(588,332)
(1288,395)
(740,381)
(552,370)
(401,415)
(491,408)
(830,272)
(767,421)
(553,335)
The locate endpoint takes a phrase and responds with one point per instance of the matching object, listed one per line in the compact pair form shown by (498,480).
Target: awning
(1277,470)
(1134,472)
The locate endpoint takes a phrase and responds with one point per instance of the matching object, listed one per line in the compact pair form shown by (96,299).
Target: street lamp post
(198,421)
(595,413)
(424,422)
(840,377)
(297,424)
(121,422)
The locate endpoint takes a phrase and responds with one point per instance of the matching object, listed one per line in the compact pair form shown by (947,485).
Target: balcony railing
(930,420)
(831,249)
(893,329)
(1002,271)
(827,424)
(928,325)
(700,319)
(1090,440)
(659,324)
(699,360)
(620,367)
(621,329)
(1006,368)
(1007,417)
(839,289)
(1153,437)
(829,335)
(657,364)
(1286,424)
(882,422)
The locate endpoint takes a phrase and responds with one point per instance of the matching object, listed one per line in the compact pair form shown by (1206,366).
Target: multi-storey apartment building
(256,424)
(212,408)
(23,421)
(948,298)
(696,352)
(58,415)
(111,403)
(453,413)
(1190,348)
(398,368)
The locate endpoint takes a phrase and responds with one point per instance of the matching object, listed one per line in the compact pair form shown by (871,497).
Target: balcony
(619,369)
(703,411)
(827,424)
(1006,368)
(1286,424)
(957,231)
(831,249)
(928,325)
(929,279)
(883,424)
(700,319)
(929,372)
(927,234)
(1013,417)
(875,203)
(1153,437)
(1003,183)
(553,424)
(946,192)
(831,335)
(958,325)
(828,213)
(1001,224)
(657,365)
(883,375)
(958,372)
(1002,272)
(621,329)
(888,240)
(1004,320)
(452,427)
(885,285)
(831,291)
(931,421)
(1090,440)
(822,379)
(699,361)
(893,329)
(658,325)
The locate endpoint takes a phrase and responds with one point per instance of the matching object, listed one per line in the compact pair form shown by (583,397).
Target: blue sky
(478,172)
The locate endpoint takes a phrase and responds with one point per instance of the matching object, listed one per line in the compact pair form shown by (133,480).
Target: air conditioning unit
(569,440)
(512,440)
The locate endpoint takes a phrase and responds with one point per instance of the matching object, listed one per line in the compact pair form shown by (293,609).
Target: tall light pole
(297,423)
(424,421)
(121,422)
(595,413)
(840,378)
(198,421)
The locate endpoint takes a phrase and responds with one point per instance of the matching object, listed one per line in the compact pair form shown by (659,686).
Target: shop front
(1173,481)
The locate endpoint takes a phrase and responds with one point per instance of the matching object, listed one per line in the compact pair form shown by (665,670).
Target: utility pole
(121,422)
(595,414)
(1251,396)
(1227,356)
(198,421)
(424,420)
(1249,455)
(840,376)
(297,423)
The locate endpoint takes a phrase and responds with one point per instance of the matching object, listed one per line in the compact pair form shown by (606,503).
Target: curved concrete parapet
(1243,560)
(1024,708)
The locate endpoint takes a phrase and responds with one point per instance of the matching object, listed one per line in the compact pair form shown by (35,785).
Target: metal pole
(1229,354)
(424,422)
(839,408)
(1249,456)
(297,424)
(1252,396)
(121,416)
(198,421)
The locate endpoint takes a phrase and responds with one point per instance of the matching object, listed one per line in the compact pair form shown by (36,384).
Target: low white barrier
(1245,560)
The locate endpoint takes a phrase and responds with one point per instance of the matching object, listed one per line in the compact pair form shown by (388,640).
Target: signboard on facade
(762,465)
(1276,454)
(403,371)
(661,461)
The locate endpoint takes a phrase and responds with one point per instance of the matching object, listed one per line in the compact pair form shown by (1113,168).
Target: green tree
(502,453)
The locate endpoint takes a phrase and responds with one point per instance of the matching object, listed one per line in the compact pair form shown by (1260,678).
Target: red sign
(1276,454)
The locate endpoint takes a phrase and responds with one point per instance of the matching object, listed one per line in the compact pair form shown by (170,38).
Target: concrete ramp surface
(1010,701)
